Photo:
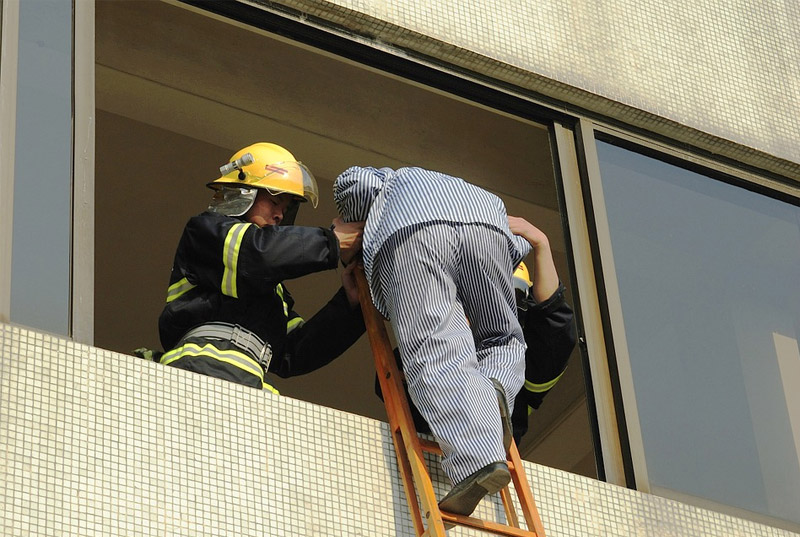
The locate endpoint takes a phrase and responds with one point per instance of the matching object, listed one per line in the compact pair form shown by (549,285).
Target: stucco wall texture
(721,75)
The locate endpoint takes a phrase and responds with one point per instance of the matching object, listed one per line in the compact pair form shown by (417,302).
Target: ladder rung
(486,525)
(429,446)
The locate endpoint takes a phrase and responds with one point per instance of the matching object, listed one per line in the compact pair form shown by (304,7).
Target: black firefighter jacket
(227,270)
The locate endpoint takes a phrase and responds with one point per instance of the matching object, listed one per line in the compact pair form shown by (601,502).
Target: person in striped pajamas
(437,251)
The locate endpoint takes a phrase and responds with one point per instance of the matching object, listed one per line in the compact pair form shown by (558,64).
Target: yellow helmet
(522,279)
(522,285)
(269,167)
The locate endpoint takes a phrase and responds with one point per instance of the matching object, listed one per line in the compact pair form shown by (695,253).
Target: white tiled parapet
(96,443)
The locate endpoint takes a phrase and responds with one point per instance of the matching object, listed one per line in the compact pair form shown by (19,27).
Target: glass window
(40,269)
(708,283)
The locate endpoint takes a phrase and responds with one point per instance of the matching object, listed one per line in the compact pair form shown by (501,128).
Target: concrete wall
(96,443)
(722,75)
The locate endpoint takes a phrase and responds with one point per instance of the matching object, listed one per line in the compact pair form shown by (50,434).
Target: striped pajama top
(390,200)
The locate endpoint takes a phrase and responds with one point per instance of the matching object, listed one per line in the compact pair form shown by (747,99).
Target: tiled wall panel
(95,443)
(723,75)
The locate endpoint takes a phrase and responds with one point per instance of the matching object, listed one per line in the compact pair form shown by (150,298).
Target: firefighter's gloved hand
(349,235)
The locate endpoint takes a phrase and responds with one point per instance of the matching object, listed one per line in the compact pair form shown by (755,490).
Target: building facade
(654,143)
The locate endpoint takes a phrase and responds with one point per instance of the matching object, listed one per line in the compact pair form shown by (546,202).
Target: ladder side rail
(524,493)
(508,506)
(400,419)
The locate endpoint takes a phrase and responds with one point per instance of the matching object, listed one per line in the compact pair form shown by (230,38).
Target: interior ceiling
(178,92)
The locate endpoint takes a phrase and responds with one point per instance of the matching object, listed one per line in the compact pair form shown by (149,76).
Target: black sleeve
(549,329)
(215,248)
(321,339)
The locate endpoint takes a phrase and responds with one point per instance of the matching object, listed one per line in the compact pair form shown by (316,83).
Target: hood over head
(355,190)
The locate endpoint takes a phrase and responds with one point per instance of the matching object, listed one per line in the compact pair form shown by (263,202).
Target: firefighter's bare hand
(531,233)
(349,284)
(349,235)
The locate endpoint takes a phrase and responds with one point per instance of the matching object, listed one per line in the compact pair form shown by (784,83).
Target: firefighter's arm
(318,341)
(545,276)
(549,330)
(238,257)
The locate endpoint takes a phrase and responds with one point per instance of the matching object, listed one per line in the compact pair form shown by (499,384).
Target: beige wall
(722,75)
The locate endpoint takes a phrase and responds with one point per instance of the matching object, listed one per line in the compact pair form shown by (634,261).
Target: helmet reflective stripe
(178,288)
(230,258)
(539,388)
(272,168)
(234,358)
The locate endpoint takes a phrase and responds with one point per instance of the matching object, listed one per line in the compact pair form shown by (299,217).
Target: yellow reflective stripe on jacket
(178,288)
(230,258)
(234,358)
(293,323)
(279,291)
(270,387)
(539,388)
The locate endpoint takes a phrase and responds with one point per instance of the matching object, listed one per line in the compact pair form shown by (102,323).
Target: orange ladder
(409,447)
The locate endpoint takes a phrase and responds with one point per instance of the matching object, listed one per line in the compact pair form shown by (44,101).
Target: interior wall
(179,92)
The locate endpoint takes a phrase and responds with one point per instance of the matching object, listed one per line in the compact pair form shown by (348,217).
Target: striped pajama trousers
(448,295)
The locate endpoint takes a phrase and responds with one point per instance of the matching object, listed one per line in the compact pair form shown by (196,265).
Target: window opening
(165,123)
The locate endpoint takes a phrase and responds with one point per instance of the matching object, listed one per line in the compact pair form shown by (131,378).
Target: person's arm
(321,339)
(548,320)
(239,258)
(543,268)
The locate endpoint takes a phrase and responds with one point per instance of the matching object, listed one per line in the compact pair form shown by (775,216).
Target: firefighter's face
(268,210)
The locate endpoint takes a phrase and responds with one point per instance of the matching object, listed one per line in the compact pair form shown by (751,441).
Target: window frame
(741,176)
(81,247)
(83,147)
(9,53)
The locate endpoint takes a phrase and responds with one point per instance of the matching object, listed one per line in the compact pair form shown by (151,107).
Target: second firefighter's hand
(349,284)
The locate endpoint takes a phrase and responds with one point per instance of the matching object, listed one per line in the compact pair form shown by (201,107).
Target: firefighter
(228,313)
(547,322)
